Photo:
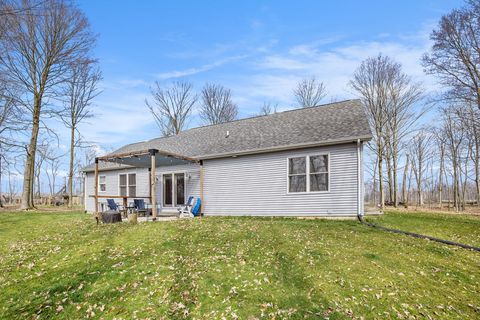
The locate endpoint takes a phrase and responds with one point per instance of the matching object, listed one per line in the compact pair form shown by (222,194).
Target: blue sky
(259,49)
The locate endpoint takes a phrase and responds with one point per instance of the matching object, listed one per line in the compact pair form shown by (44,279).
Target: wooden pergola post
(96,189)
(150,183)
(153,182)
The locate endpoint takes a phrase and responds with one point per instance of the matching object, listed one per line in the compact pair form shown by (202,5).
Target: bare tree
(51,172)
(455,55)
(217,105)
(454,135)
(371,82)
(420,149)
(268,108)
(389,97)
(404,184)
(10,115)
(402,116)
(439,138)
(81,88)
(36,49)
(43,154)
(309,92)
(469,116)
(171,107)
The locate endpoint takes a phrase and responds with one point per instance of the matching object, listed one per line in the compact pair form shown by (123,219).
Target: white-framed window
(102,183)
(127,184)
(310,173)
(132,184)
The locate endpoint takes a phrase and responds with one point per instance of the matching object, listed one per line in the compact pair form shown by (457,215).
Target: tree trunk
(38,193)
(395,187)
(70,172)
(375,182)
(404,184)
(440,181)
(390,178)
(380,178)
(28,177)
(455,184)
(1,202)
(477,169)
(419,183)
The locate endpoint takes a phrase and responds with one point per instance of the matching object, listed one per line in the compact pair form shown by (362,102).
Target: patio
(151,159)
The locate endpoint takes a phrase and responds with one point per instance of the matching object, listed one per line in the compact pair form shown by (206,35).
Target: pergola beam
(117,156)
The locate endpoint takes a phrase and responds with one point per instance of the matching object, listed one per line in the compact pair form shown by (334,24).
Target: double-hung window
(102,183)
(308,173)
(128,184)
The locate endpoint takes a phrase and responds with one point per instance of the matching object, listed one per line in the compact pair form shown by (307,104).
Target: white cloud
(275,75)
(195,70)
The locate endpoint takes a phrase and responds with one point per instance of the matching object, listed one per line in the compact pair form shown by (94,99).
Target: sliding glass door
(179,194)
(173,189)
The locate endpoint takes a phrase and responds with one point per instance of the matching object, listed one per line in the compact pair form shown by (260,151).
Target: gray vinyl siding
(112,186)
(257,185)
(192,184)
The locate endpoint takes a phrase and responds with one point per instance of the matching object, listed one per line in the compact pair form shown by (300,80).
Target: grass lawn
(61,265)
(460,228)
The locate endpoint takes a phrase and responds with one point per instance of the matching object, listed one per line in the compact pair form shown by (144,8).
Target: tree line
(47,73)
(440,159)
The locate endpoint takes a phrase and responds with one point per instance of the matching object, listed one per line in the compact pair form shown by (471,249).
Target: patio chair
(139,205)
(112,205)
(186,212)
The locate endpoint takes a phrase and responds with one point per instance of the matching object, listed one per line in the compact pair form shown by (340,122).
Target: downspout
(359,181)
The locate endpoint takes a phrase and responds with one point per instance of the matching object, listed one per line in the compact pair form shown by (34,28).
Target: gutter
(285,147)
(264,150)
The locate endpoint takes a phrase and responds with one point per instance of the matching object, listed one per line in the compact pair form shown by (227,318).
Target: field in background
(62,265)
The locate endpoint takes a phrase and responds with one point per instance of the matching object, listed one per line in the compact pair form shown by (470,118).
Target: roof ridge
(255,117)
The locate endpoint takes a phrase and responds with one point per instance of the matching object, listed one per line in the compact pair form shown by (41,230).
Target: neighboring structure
(304,162)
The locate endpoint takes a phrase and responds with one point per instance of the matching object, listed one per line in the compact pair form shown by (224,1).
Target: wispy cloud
(275,75)
(200,69)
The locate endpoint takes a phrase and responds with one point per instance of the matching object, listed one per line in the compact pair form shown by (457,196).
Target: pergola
(151,159)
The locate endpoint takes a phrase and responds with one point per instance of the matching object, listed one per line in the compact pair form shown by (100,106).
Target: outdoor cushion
(196,207)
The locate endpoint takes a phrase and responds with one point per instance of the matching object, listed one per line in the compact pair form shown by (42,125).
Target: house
(304,162)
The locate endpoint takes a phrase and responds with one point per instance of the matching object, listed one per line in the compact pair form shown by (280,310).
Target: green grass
(455,227)
(61,265)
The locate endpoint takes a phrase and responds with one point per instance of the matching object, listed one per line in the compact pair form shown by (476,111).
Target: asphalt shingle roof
(324,124)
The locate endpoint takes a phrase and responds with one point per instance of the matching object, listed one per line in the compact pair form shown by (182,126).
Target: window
(123,184)
(173,189)
(128,182)
(132,185)
(297,175)
(318,173)
(102,183)
(308,173)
